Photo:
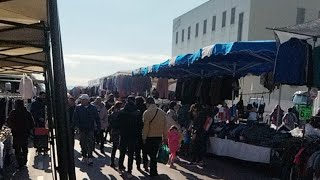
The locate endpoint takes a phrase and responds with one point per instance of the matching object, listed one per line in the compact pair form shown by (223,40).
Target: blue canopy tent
(235,59)
(226,59)
(238,58)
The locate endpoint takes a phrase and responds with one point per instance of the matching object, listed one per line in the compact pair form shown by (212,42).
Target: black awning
(311,29)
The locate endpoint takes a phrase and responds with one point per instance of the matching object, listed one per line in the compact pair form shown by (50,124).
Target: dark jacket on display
(128,119)
(86,117)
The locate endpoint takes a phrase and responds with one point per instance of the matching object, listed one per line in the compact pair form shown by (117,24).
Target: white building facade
(241,20)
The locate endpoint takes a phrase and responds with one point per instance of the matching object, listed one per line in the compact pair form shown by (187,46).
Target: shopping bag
(163,155)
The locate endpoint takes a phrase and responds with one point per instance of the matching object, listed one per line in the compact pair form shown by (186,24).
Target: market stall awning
(310,29)
(22,36)
(236,58)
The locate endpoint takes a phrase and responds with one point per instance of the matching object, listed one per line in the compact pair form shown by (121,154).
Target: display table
(239,150)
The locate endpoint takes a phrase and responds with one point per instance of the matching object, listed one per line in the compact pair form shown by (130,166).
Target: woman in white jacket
(172,117)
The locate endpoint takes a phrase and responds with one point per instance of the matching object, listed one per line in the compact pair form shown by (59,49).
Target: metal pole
(279,101)
(66,166)
(50,99)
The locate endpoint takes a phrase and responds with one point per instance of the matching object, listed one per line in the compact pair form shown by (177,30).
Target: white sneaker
(84,160)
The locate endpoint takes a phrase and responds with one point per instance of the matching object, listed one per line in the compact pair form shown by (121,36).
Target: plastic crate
(41,131)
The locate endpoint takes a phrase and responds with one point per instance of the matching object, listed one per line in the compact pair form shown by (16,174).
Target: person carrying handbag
(154,132)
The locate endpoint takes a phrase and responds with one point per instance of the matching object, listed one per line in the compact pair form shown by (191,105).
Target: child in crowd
(174,143)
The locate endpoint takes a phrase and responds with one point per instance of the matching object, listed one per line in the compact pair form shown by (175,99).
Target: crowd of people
(137,128)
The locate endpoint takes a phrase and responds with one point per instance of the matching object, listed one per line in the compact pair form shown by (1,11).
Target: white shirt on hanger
(26,88)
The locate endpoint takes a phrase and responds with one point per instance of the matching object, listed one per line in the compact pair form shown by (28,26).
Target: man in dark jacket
(21,122)
(38,109)
(139,145)
(128,120)
(85,116)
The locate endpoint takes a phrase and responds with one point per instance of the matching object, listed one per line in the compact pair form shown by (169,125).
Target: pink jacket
(173,140)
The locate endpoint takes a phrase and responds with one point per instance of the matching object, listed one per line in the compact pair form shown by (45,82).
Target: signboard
(305,112)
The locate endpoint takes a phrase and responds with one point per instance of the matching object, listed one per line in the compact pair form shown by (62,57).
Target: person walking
(21,123)
(84,117)
(199,117)
(109,104)
(139,146)
(174,137)
(128,119)
(154,132)
(38,108)
(103,114)
(172,117)
(115,129)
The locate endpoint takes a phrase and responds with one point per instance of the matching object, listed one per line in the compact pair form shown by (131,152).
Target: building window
(197,29)
(182,35)
(233,15)
(224,18)
(204,26)
(214,21)
(240,26)
(189,32)
(301,12)
(177,37)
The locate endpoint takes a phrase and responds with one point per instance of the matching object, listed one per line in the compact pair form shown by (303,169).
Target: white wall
(207,11)
(278,13)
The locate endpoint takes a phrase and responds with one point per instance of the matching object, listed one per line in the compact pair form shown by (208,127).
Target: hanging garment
(162,88)
(179,87)
(316,67)
(26,88)
(295,53)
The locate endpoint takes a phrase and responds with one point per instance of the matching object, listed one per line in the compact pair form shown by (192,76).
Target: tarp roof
(22,36)
(234,58)
(311,29)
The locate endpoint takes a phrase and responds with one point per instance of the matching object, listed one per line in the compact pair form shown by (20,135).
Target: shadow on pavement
(226,168)
(42,162)
(94,171)
(21,174)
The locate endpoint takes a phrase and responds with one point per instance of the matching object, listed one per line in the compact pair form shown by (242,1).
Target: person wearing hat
(85,116)
(154,132)
(128,120)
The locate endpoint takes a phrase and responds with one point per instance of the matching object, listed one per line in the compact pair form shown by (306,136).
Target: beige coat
(158,127)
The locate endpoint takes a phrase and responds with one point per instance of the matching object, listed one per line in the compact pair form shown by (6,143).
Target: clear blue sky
(101,37)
